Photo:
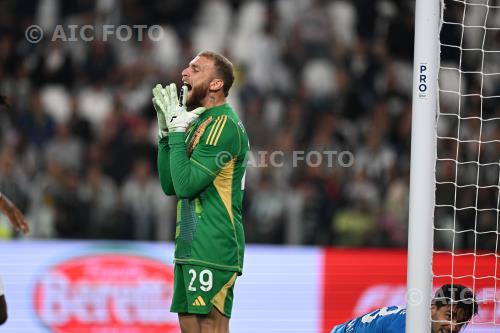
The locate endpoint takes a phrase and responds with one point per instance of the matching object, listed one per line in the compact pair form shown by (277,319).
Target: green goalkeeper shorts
(198,288)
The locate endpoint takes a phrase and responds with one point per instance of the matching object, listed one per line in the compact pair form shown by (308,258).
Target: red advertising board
(356,281)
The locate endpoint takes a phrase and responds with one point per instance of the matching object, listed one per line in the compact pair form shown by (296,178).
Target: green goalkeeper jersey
(205,168)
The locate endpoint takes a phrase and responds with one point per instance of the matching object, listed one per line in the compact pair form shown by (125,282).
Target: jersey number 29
(205,279)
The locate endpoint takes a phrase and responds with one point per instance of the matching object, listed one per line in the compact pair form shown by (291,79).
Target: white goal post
(423,155)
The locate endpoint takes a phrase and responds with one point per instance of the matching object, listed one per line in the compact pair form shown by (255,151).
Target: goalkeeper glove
(178,118)
(160,104)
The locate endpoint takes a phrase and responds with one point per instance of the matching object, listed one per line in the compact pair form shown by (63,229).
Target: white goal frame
(423,158)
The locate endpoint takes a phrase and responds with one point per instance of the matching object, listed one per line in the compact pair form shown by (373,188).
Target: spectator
(101,195)
(65,149)
(35,124)
(142,197)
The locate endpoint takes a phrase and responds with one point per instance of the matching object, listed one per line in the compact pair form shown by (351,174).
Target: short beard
(197,95)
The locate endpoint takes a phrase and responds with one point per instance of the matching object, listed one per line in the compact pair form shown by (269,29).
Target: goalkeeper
(201,160)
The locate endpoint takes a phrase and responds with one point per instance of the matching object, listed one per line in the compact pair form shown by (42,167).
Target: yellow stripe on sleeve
(220,131)
(213,130)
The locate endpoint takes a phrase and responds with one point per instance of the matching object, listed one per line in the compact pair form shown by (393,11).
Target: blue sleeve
(386,320)
(396,323)
(390,319)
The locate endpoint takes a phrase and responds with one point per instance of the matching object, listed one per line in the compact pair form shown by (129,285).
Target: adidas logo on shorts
(199,301)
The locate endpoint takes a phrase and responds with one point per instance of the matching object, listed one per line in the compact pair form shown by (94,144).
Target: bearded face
(197,93)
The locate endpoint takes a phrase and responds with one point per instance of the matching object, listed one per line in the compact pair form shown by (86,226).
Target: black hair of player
(459,296)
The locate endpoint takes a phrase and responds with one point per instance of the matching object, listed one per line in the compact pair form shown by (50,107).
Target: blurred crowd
(78,140)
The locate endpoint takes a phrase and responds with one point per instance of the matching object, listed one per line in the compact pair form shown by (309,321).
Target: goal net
(467,174)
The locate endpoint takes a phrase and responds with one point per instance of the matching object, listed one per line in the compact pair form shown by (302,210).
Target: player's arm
(14,215)
(217,146)
(163,164)
(161,104)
